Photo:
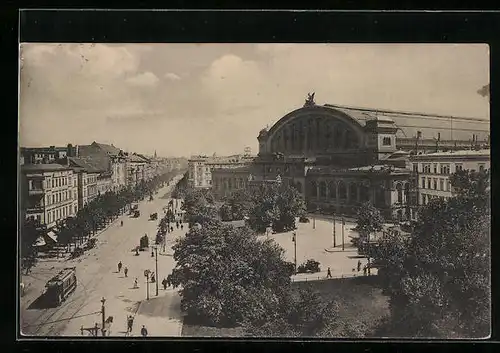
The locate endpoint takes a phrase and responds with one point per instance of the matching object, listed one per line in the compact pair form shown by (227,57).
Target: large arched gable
(316,128)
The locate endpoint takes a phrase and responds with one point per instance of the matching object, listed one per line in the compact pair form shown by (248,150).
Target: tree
(275,205)
(200,207)
(369,221)
(226,212)
(31,230)
(227,275)
(438,278)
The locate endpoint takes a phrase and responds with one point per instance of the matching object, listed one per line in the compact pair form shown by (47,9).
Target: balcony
(37,191)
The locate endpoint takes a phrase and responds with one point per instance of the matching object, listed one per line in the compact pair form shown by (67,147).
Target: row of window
(435,184)
(59,181)
(442,168)
(60,197)
(59,213)
(427,198)
(228,183)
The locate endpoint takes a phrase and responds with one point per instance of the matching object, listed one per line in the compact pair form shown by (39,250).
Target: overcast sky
(184,99)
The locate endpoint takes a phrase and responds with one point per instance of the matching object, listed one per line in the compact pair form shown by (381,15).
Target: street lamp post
(294,239)
(156,264)
(103,317)
(343,224)
(146,274)
(334,231)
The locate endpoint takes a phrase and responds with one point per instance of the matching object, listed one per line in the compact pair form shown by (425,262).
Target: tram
(60,287)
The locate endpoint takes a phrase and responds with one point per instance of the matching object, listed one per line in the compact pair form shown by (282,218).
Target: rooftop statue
(310,100)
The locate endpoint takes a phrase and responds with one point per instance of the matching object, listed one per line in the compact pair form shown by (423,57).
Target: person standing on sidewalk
(119,266)
(359,265)
(130,323)
(144,331)
(164,283)
(135,284)
(125,271)
(329,273)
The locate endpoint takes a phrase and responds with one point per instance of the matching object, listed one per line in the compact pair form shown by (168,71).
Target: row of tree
(102,210)
(270,205)
(438,277)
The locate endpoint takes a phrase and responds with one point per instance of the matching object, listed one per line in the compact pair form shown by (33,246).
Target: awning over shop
(40,242)
(52,236)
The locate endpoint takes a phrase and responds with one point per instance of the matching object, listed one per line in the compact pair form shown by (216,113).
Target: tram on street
(60,287)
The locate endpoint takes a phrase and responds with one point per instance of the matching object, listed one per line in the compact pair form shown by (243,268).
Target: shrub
(310,266)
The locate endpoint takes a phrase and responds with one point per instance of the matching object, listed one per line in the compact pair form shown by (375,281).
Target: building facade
(48,193)
(339,157)
(200,168)
(87,176)
(433,171)
(110,158)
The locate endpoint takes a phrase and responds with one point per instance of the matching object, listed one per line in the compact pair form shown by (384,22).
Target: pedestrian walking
(135,284)
(182,226)
(329,273)
(144,331)
(121,223)
(359,265)
(364,270)
(125,271)
(152,253)
(164,283)
(119,266)
(130,323)
(171,229)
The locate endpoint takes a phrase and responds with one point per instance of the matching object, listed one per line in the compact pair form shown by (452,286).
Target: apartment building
(433,170)
(200,168)
(87,175)
(48,193)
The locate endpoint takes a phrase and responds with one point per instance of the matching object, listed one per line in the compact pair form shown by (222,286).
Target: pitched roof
(90,165)
(135,158)
(110,149)
(143,157)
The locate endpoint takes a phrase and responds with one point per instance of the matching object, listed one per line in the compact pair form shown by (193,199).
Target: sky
(185,99)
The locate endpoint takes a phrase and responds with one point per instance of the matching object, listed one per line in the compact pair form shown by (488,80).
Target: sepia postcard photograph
(254,190)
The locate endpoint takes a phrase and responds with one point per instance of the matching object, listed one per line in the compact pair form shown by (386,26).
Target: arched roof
(325,110)
(449,127)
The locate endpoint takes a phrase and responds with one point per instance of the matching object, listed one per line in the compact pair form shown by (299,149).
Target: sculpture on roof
(310,100)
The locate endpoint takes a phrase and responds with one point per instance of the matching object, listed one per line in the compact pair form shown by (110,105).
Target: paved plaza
(316,242)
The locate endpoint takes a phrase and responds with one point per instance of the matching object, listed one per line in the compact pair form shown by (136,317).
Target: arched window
(399,189)
(314,190)
(353,192)
(333,190)
(322,189)
(342,193)
(298,186)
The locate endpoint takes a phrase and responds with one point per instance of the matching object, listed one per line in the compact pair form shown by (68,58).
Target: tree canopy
(275,205)
(227,275)
(369,219)
(438,278)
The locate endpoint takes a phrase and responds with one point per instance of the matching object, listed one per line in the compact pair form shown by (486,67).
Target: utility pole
(334,235)
(146,274)
(343,224)
(103,317)
(156,260)
(294,239)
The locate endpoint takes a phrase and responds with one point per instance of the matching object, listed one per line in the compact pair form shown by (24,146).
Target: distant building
(433,170)
(111,159)
(45,155)
(47,193)
(229,180)
(137,169)
(200,168)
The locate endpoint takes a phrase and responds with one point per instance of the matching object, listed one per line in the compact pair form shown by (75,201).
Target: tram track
(59,316)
